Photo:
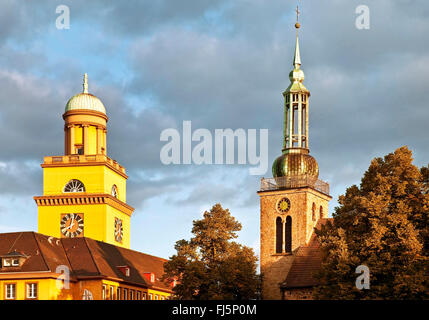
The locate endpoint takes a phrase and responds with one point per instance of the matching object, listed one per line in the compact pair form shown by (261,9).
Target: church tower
(84,191)
(294,199)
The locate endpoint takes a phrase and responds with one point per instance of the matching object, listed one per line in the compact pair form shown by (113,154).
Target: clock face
(72,225)
(119,230)
(283,205)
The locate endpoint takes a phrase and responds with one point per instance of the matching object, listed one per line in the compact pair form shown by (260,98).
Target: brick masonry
(298,294)
(275,267)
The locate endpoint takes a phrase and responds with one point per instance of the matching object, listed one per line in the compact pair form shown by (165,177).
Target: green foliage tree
(382,224)
(210,265)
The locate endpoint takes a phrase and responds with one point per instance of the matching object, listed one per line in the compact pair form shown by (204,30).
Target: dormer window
(8,262)
(13,259)
(125,270)
(150,276)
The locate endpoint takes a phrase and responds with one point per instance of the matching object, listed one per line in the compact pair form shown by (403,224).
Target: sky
(219,64)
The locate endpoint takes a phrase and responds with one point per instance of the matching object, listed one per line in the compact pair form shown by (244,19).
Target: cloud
(220,64)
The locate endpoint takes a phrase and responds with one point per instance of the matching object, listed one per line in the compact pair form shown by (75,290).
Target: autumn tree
(382,224)
(210,265)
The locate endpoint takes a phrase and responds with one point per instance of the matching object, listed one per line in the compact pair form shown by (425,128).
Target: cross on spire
(297,58)
(297,13)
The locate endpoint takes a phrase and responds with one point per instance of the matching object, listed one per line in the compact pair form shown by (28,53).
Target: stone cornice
(85,111)
(294,190)
(84,198)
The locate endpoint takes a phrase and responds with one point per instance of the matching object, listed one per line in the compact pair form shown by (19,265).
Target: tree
(382,224)
(210,265)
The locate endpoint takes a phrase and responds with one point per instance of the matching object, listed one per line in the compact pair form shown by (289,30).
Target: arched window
(288,234)
(313,210)
(74,186)
(321,212)
(279,235)
(115,191)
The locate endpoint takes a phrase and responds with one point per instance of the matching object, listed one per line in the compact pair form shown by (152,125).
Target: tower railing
(279,183)
(75,159)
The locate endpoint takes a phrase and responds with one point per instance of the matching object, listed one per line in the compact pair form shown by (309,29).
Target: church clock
(71,225)
(283,205)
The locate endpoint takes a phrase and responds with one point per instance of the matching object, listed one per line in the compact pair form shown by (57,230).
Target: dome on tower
(295,164)
(85,100)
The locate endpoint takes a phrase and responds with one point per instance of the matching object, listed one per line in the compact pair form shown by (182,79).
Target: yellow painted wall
(99,222)
(92,139)
(111,213)
(78,135)
(99,219)
(47,289)
(97,179)
(93,216)
(111,178)
(158,293)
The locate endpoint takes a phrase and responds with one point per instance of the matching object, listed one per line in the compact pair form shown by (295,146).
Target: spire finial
(297,13)
(297,58)
(85,83)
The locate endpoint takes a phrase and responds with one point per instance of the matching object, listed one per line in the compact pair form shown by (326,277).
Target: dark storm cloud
(368,86)
(18,178)
(208,79)
(134,18)
(222,64)
(28,116)
(24,20)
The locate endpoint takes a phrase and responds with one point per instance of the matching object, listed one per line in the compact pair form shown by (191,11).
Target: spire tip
(85,83)
(297,58)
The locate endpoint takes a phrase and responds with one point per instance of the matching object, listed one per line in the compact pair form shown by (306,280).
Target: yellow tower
(84,191)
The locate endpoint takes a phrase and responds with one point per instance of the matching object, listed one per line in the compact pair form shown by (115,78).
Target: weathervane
(297,13)
(297,25)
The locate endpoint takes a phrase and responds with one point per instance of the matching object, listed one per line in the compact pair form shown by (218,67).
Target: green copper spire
(295,160)
(296,76)
(297,58)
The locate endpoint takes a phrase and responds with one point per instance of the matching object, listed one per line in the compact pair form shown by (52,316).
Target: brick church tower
(294,200)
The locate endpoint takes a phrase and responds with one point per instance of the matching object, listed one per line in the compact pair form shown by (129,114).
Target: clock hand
(71,224)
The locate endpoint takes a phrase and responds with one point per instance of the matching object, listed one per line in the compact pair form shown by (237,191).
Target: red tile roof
(24,242)
(308,260)
(84,257)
